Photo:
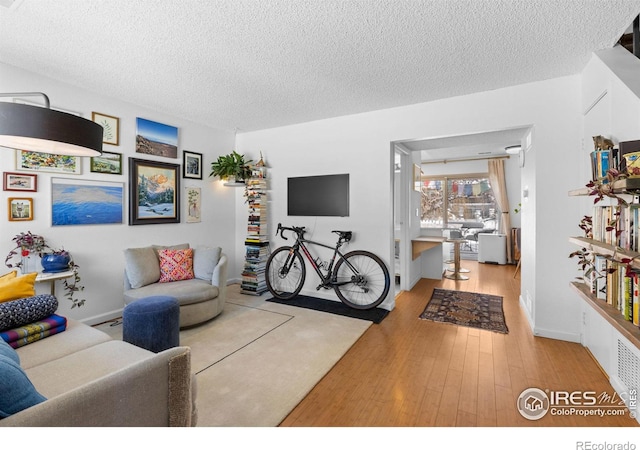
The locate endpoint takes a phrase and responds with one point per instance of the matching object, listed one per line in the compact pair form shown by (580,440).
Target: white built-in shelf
(607,250)
(609,313)
(626,186)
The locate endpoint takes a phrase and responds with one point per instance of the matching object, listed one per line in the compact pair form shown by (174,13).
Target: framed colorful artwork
(46,162)
(191,165)
(20,209)
(154,138)
(110,126)
(194,203)
(86,202)
(108,162)
(14,181)
(154,188)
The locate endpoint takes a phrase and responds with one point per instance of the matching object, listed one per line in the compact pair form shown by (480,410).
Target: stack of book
(257,240)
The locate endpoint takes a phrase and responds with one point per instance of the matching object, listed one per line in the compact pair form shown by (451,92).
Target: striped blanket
(26,334)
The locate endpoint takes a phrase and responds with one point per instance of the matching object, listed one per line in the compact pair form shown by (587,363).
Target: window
(452,201)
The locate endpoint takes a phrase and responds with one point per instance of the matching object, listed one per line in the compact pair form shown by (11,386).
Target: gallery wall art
(46,162)
(154,138)
(86,202)
(154,188)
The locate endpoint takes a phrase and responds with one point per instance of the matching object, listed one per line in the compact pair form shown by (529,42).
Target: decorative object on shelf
(231,168)
(20,209)
(20,182)
(55,262)
(108,162)
(110,127)
(31,247)
(153,192)
(191,165)
(602,143)
(42,129)
(154,138)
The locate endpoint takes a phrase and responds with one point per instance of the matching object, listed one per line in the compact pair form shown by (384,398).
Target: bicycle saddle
(346,235)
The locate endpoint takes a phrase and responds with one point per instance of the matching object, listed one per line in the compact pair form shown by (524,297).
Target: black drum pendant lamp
(44,130)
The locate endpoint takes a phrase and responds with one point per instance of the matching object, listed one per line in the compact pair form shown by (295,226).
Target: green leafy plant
(231,165)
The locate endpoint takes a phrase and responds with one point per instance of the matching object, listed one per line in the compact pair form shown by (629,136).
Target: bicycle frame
(327,280)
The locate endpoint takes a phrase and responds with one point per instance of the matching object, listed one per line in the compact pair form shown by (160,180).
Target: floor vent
(628,366)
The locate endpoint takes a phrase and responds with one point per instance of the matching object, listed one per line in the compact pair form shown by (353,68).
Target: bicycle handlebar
(298,230)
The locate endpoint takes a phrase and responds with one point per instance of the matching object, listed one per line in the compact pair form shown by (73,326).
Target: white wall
(360,144)
(98,249)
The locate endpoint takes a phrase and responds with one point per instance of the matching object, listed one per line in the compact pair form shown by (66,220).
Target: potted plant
(231,167)
(52,260)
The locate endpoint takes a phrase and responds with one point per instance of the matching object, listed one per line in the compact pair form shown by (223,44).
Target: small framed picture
(47,162)
(14,181)
(20,209)
(108,162)
(191,165)
(110,126)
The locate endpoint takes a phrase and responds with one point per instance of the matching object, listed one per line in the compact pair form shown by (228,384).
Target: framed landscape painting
(86,202)
(154,192)
(108,162)
(20,182)
(154,138)
(46,162)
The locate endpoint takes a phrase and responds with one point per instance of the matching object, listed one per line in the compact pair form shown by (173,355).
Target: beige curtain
(496,178)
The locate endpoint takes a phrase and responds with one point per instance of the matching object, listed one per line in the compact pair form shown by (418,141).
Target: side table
(52,277)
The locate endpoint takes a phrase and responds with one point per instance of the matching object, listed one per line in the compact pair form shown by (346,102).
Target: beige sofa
(200,298)
(91,380)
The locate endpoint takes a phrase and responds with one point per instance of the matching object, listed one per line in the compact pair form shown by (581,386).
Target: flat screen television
(322,195)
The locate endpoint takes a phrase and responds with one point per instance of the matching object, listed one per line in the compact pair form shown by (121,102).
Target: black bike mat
(375,315)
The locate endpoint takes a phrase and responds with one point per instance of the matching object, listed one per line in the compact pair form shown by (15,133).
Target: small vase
(55,263)
(30,263)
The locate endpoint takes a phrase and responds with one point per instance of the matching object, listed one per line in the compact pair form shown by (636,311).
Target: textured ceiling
(255,64)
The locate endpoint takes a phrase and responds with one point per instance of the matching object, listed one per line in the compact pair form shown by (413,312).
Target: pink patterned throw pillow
(176,265)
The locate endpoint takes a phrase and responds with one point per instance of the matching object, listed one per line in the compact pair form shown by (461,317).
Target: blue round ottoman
(152,323)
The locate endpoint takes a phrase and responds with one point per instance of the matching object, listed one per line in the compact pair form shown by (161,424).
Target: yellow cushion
(19,287)
(6,276)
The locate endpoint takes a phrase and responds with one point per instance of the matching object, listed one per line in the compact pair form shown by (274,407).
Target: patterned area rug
(468,309)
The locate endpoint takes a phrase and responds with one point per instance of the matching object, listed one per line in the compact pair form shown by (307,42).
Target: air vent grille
(628,366)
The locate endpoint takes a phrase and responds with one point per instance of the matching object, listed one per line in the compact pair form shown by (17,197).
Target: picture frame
(15,181)
(86,202)
(155,138)
(194,204)
(154,192)
(191,165)
(110,126)
(108,162)
(20,209)
(417,178)
(46,162)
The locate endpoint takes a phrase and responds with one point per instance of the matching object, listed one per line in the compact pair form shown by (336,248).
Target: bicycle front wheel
(362,280)
(285,272)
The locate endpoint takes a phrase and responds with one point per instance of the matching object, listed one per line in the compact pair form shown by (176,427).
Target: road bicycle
(359,278)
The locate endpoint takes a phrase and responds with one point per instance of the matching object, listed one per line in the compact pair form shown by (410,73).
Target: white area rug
(257,360)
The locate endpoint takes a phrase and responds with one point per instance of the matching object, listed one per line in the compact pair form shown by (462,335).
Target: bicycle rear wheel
(366,280)
(285,273)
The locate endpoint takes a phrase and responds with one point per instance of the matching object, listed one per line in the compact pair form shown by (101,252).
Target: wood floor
(407,372)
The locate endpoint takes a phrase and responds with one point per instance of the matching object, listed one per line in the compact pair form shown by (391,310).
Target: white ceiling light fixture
(513,149)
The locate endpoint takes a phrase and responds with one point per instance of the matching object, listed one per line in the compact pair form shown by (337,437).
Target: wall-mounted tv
(322,195)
